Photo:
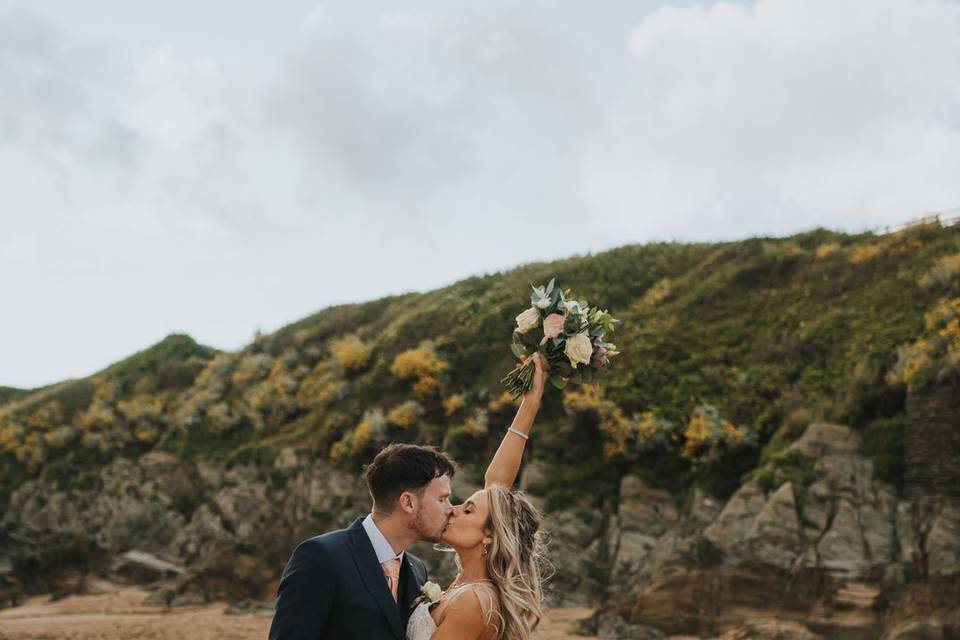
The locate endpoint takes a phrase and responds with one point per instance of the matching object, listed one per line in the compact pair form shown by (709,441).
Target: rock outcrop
(232,529)
(811,546)
(812,539)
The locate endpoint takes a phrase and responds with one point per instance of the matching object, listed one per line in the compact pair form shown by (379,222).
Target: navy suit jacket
(333,587)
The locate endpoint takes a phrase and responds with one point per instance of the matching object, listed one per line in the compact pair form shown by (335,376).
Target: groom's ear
(407,502)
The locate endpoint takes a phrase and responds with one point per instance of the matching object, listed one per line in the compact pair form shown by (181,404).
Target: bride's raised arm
(506,461)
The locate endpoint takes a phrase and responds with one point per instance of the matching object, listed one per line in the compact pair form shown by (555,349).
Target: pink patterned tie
(391,571)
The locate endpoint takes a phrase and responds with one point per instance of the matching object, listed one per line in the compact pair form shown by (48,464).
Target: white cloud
(153,185)
(315,15)
(173,102)
(784,114)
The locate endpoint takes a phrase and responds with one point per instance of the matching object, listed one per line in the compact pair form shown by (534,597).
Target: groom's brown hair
(404,467)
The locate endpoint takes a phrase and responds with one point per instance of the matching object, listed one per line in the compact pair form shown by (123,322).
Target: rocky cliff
(813,544)
(813,541)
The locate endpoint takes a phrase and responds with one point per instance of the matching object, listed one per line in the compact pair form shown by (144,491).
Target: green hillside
(10,393)
(728,349)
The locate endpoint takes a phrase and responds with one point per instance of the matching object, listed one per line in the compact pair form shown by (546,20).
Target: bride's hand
(535,393)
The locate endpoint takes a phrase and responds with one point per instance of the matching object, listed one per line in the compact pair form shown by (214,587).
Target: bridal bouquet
(568,334)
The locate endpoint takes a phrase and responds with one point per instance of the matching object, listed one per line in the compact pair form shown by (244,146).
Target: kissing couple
(360,582)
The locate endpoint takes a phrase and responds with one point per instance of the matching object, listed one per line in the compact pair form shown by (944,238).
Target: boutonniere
(430,592)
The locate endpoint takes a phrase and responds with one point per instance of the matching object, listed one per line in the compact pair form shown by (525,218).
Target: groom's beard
(426,533)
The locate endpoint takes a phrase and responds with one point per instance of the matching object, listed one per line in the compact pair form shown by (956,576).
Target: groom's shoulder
(418,567)
(329,541)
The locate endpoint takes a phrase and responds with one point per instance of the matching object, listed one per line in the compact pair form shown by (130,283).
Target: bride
(497,593)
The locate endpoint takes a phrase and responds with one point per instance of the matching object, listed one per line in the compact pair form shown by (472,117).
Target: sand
(117,612)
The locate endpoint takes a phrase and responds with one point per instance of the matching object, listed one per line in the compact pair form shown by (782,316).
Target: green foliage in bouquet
(569,335)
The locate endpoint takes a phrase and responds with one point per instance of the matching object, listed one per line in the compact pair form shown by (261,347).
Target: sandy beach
(118,612)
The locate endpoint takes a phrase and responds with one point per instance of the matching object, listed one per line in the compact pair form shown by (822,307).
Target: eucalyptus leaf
(531,339)
(518,350)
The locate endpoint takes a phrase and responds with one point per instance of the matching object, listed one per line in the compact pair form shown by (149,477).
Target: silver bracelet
(519,433)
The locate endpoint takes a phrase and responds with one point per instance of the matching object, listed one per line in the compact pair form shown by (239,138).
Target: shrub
(60,437)
(323,386)
(251,368)
(422,366)
(11,435)
(708,435)
(587,398)
(48,416)
(416,363)
(720,452)
(629,438)
(826,250)
(31,453)
(99,416)
(452,404)
(425,387)
(864,253)
(405,415)
(944,274)
(623,438)
(934,355)
(350,352)
(370,431)
(146,434)
(220,419)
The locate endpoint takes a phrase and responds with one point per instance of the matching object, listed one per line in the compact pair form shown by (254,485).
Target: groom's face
(433,510)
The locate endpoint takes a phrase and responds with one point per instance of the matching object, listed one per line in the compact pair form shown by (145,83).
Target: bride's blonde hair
(514,561)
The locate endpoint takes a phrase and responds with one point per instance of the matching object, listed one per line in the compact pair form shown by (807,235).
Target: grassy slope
(11,393)
(763,329)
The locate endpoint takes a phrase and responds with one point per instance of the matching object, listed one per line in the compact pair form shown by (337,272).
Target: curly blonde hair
(515,560)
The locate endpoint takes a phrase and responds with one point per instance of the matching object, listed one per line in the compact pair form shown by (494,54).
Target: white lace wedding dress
(421,626)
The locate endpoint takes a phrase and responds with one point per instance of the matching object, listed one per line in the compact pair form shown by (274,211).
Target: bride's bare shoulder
(471,614)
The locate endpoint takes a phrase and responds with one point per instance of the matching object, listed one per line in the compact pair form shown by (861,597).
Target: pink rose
(553,325)
(599,359)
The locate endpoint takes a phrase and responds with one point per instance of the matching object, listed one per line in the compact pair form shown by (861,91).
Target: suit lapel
(410,588)
(372,576)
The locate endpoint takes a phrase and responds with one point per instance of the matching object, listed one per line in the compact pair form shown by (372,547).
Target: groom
(358,582)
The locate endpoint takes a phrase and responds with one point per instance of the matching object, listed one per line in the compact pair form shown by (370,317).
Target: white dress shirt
(380,545)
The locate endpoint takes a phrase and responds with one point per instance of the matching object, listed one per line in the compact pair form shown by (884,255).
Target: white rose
(578,349)
(528,320)
(432,590)
(571,305)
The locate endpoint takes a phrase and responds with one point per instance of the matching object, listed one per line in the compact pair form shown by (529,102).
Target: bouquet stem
(519,381)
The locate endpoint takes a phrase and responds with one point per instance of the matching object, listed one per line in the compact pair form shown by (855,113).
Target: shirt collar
(380,545)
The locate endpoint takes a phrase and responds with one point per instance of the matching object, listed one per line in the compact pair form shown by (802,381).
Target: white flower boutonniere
(430,592)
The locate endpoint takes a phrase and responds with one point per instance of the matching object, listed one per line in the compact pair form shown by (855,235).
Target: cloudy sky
(213,168)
